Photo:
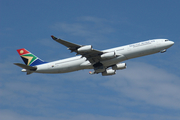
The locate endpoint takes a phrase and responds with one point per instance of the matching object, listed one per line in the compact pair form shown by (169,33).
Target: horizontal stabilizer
(26,67)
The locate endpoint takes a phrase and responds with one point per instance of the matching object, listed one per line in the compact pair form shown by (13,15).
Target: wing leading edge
(85,50)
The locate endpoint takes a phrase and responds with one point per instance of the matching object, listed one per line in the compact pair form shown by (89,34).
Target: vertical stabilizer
(28,58)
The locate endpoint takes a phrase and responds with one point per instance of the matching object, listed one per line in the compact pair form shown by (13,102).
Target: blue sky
(148,89)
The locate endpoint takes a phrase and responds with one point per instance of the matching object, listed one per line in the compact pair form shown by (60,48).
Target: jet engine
(109,72)
(108,55)
(119,66)
(85,48)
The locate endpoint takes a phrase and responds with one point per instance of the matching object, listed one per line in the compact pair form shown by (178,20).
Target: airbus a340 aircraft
(105,62)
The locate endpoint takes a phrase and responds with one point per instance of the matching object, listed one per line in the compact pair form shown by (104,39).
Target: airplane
(105,62)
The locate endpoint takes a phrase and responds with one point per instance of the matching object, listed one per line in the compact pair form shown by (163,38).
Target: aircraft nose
(171,43)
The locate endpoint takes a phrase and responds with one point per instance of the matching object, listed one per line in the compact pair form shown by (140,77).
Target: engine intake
(85,48)
(109,72)
(119,66)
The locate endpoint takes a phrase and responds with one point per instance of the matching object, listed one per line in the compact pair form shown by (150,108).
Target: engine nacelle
(119,66)
(108,72)
(108,55)
(85,48)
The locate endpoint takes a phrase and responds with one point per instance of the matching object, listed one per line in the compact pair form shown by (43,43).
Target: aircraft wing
(85,50)
(70,45)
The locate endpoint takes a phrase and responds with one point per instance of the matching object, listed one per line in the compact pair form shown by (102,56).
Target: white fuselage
(123,53)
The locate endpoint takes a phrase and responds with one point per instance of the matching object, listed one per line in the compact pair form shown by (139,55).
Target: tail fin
(28,58)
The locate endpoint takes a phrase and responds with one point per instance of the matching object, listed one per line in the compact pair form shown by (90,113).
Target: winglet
(54,38)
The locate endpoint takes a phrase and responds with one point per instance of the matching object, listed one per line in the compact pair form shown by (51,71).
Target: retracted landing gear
(98,68)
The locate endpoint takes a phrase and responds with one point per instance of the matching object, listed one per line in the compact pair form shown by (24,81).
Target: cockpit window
(166,40)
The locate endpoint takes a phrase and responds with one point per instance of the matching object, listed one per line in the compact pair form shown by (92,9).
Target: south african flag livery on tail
(28,58)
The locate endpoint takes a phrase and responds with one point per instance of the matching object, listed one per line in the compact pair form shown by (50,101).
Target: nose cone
(171,43)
